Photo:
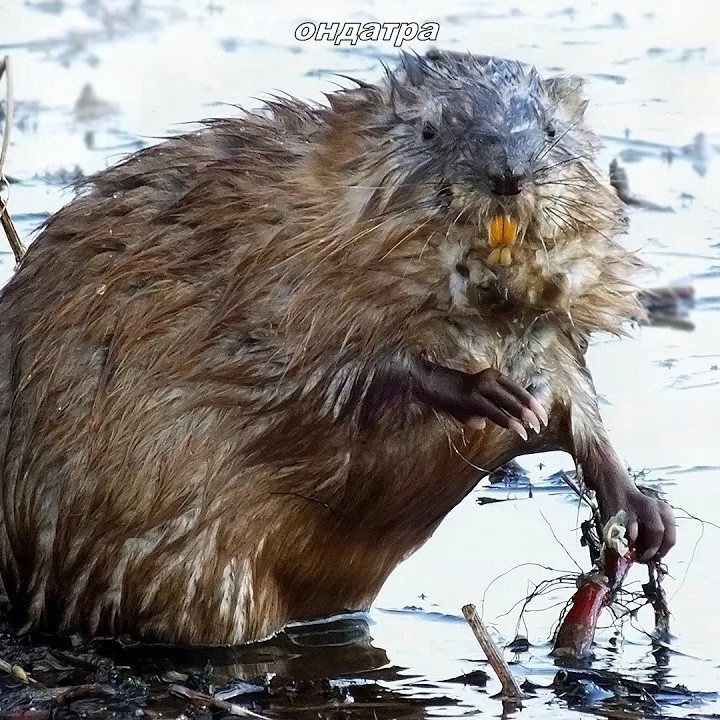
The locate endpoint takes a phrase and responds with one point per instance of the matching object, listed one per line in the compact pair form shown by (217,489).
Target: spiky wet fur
(189,449)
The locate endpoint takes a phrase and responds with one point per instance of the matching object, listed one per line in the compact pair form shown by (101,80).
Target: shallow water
(653,69)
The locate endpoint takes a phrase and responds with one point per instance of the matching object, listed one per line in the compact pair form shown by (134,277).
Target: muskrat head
(498,146)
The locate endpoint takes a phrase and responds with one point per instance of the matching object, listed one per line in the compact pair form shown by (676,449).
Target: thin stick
(213,703)
(84,692)
(655,595)
(11,233)
(15,671)
(619,181)
(5,219)
(510,688)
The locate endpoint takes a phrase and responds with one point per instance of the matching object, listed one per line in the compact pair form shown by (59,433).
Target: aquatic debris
(213,703)
(510,689)
(668,306)
(625,697)
(619,181)
(90,107)
(612,559)
(656,597)
(16,672)
(596,590)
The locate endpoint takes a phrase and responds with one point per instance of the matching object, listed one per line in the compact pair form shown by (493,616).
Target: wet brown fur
(188,447)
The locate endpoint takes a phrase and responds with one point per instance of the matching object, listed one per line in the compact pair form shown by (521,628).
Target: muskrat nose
(506,183)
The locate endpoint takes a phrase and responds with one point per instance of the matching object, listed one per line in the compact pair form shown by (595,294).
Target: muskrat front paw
(650,523)
(474,398)
(497,398)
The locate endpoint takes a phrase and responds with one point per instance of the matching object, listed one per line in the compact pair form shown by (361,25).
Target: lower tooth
(494,258)
(506,256)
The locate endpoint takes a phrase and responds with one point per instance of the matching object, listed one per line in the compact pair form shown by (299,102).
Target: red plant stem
(596,591)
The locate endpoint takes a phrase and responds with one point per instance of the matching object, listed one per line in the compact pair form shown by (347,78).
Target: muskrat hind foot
(471,398)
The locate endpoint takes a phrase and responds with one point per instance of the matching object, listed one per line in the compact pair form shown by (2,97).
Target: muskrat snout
(507,182)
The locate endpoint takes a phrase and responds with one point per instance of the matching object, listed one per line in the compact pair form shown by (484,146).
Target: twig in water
(5,219)
(5,70)
(668,306)
(655,595)
(203,700)
(619,181)
(510,688)
(84,692)
(15,671)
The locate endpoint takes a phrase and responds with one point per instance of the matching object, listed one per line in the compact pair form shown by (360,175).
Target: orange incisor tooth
(502,231)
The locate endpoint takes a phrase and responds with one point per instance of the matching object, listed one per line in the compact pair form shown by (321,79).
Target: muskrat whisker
(570,219)
(583,223)
(579,202)
(383,187)
(583,207)
(566,161)
(542,242)
(337,242)
(571,182)
(405,238)
(542,173)
(460,213)
(304,241)
(580,209)
(345,243)
(557,220)
(567,222)
(453,446)
(425,246)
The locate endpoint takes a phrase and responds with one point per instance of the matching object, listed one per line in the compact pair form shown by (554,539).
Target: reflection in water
(307,669)
(338,646)
(318,669)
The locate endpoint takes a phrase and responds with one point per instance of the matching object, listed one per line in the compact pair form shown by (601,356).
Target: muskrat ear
(567,91)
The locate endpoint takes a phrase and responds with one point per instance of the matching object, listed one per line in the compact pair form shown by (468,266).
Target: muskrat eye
(550,131)
(428,131)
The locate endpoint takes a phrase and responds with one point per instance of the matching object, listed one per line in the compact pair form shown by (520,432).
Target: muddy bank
(328,671)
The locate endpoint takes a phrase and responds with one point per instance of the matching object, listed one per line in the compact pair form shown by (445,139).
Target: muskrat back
(247,371)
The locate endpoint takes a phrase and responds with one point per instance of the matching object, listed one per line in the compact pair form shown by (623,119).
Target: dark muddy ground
(330,670)
(95,79)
